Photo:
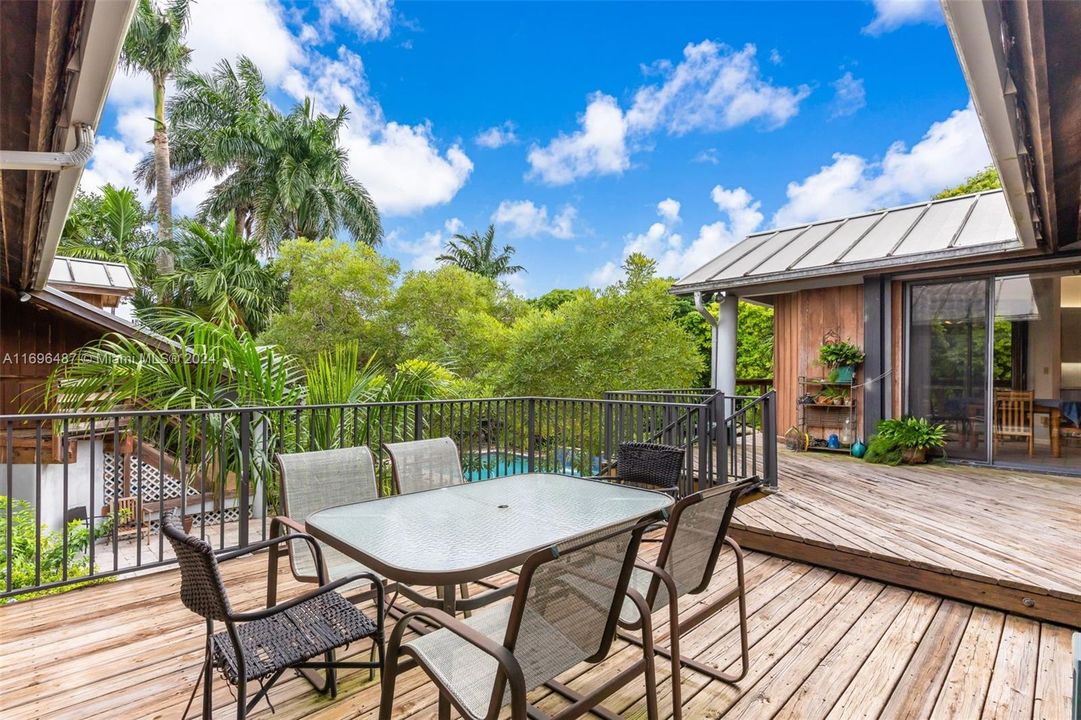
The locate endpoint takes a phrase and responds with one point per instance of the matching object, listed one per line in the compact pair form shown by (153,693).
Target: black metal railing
(83,493)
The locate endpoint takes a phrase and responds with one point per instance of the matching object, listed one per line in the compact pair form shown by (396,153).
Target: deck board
(823,644)
(1008,539)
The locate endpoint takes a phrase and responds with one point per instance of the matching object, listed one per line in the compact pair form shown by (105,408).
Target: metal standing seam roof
(113,278)
(907,235)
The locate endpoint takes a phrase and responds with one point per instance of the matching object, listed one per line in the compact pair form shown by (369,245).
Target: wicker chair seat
(469,672)
(296,635)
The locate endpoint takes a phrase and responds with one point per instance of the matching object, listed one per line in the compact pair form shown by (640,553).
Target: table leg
(449,603)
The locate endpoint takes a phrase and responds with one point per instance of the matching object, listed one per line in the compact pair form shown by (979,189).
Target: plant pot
(914,456)
(845,374)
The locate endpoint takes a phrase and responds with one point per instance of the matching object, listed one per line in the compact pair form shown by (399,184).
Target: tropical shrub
(840,354)
(904,439)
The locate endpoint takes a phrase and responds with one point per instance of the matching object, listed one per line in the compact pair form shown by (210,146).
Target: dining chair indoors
(260,645)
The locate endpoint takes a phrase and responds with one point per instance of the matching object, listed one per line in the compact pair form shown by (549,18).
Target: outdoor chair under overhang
(565,610)
(697,528)
(261,645)
(420,465)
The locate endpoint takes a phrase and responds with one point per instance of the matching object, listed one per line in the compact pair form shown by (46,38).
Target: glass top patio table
(466,532)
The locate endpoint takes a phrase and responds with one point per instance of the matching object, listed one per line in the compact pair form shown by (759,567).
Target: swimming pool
(492,463)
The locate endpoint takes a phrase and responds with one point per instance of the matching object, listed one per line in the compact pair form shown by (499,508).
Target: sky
(587,131)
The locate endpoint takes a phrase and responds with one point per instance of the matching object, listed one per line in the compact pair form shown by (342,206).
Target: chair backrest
(568,601)
(1013,411)
(650,464)
(692,542)
(425,464)
(201,587)
(127,510)
(312,481)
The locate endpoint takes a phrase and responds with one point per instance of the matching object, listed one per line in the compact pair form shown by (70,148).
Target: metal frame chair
(697,528)
(312,481)
(565,611)
(262,644)
(424,464)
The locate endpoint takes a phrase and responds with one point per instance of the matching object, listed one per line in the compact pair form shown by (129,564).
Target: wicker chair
(697,528)
(425,465)
(649,465)
(564,612)
(262,644)
(312,481)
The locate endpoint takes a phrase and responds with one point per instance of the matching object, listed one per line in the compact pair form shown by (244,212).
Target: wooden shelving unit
(827,417)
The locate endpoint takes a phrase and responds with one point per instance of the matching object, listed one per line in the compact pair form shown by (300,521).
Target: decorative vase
(845,374)
(858,449)
(834,442)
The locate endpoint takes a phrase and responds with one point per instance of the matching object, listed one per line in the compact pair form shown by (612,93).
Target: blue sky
(586,131)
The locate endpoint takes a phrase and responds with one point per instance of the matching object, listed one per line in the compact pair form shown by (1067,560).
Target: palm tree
(155,45)
(111,227)
(477,254)
(285,175)
(219,276)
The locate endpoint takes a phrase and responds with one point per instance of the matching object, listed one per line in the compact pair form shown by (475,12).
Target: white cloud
(849,96)
(775,57)
(242,27)
(892,14)
(422,253)
(674,255)
(370,18)
(599,147)
(524,219)
(710,155)
(113,164)
(713,88)
(498,136)
(669,210)
(951,150)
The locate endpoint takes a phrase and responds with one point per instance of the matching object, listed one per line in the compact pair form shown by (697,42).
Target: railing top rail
(751,403)
(181,412)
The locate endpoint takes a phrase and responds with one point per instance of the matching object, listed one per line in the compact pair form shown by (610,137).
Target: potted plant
(913,437)
(843,358)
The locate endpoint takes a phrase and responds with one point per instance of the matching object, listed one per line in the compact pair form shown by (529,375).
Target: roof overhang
(57,61)
(58,301)
(1023,69)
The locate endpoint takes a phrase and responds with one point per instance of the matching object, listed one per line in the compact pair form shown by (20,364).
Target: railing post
(245,478)
(608,434)
(721,433)
(769,442)
(704,480)
(531,439)
(418,421)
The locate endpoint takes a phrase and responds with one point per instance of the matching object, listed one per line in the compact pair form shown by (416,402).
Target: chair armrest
(279,521)
(322,589)
(485,644)
(274,541)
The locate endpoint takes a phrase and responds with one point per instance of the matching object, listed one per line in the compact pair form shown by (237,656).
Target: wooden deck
(823,645)
(1006,539)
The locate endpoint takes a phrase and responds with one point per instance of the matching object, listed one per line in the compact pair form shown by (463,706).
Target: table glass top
(477,525)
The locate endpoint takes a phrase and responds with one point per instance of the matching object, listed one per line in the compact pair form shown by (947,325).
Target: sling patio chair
(652,466)
(313,481)
(564,612)
(420,465)
(262,644)
(697,528)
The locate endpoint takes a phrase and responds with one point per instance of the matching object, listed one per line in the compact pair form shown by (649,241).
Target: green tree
(337,292)
(113,227)
(624,337)
(986,179)
(754,338)
(453,317)
(554,298)
(155,45)
(478,254)
(285,175)
(219,276)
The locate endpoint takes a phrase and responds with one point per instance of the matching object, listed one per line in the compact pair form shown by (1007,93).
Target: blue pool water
(499,464)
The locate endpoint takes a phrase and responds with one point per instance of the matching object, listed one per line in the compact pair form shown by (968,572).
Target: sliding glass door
(947,361)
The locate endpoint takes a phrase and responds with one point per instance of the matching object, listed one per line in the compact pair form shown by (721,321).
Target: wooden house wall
(32,341)
(801,319)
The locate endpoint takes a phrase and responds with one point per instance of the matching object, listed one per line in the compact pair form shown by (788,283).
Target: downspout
(52,161)
(700,306)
